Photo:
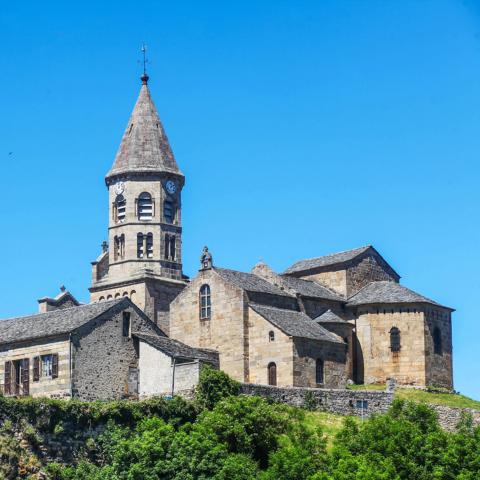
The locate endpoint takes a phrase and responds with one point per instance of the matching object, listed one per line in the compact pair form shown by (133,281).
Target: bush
(310,402)
(214,385)
(30,434)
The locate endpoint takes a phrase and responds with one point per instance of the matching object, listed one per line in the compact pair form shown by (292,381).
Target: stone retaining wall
(339,402)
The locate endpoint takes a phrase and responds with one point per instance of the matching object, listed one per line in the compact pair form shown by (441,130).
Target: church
(324,322)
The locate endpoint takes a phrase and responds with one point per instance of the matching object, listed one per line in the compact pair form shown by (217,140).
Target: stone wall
(339,402)
(367,268)
(334,276)
(102,356)
(375,359)
(45,386)
(225,330)
(439,365)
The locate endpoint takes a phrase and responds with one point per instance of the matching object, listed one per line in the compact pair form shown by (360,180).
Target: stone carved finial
(206,259)
(104,245)
(62,288)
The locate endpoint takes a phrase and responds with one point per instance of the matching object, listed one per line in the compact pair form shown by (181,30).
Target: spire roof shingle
(144,147)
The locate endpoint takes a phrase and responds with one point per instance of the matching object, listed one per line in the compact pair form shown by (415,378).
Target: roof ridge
(336,253)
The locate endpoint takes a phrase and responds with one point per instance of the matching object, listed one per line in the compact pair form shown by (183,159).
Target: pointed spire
(145,147)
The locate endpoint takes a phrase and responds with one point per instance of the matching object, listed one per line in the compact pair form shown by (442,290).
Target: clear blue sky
(303,128)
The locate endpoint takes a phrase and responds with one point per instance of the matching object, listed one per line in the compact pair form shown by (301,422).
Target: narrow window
(101,299)
(140,245)
(205,301)
(395,339)
(319,371)
(121,208)
(117,295)
(167,245)
(145,206)
(437,341)
(169,210)
(271,336)
(172,247)
(126,324)
(47,365)
(272,374)
(150,245)
(130,131)
(109,297)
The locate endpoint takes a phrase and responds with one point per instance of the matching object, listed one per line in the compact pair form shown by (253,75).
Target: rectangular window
(126,324)
(47,365)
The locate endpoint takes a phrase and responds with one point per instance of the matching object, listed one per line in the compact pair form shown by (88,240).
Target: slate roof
(177,349)
(144,147)
(388,292)
(49,324)
(309,288)
(250,282)
(295,324)
(328,316)
(325,260)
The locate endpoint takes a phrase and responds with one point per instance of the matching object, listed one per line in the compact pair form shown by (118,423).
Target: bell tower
(144,258)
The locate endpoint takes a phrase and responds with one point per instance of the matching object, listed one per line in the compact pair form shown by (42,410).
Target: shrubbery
(227,437)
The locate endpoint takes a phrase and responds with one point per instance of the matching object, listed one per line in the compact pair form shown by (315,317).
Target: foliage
(46,413)
(310,402)
(214,385)
(58,429)
(31,435)
(432,396)
(15,460)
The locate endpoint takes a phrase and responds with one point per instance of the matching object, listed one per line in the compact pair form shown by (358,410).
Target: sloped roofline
(360,252)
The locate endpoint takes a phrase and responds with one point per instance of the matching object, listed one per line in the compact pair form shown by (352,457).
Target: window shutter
(55,365)
(8,378)
(36,368)
(26,376)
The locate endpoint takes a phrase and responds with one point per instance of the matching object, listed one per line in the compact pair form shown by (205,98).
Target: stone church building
(322,322)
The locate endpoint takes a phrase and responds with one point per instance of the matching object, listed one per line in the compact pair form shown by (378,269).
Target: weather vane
(145,60)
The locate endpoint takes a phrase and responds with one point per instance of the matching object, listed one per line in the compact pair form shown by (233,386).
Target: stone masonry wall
(224,331)
(439,366)
(102,355)
(374,354)
(333,276)
(305,354)
(367,268)
(45,386)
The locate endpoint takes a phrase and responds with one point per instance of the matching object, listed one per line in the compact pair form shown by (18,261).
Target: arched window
(145,210)
(125,294)
(168,211)
(167,245)
(319,371)
(272,374)
(140,245)
(117,295)
(133,296)
(101,299)
(205,301)
(150,245)
(109,297)
(271,336)
(437,341)
(395,339)
(120,202)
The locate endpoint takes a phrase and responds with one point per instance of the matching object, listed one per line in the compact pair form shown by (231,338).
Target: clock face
(119,187)
(170,186)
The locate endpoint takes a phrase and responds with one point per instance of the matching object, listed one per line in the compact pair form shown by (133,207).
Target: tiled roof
(310,288)
(49,324)
(328,316)
(144,146)
(295,324)
(177,349)
(332,259)
(387,292)
(250,282)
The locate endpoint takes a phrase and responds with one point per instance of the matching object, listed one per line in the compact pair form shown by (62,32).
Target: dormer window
(145,207)
(168,210)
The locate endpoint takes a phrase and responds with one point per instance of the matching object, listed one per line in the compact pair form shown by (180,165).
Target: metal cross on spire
(145,60)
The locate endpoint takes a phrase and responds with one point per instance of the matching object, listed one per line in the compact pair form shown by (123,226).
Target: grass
(330,423)
(413,395)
